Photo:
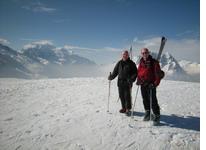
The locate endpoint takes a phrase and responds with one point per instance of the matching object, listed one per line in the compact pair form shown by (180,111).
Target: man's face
(145,53)
(125,56)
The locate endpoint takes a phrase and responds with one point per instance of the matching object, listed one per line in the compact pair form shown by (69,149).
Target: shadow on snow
(183,122)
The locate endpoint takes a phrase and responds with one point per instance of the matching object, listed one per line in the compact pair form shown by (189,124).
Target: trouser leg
(125,97)
(155,105)
(145,97)
(121,96)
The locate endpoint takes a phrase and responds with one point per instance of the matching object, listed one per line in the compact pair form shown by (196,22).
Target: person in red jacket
(148,79)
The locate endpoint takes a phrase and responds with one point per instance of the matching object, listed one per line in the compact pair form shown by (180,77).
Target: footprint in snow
(18,147)
(68,120)
(36,115)
(9,119)
(28,131)
(48,135)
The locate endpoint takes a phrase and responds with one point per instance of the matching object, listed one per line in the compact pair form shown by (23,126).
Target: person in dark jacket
(148,77)
(126,71)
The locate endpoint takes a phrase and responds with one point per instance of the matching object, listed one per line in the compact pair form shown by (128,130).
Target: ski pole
(150,104)
(132,116)
(118,100)
(109,94)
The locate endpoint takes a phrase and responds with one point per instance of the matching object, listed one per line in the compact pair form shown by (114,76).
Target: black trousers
(145,91)
(125,96)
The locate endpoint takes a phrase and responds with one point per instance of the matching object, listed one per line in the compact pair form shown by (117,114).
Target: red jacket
(147,71)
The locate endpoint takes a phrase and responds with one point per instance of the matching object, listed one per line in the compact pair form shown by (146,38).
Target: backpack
(160,73)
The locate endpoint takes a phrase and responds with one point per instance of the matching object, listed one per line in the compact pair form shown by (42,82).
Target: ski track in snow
(71,114)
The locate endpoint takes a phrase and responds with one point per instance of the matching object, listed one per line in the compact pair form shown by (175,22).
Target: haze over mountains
(41,61)
(44,60)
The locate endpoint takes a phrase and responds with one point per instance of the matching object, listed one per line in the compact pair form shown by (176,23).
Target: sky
(101,29)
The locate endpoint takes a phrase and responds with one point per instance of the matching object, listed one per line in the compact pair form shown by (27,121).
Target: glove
(156,84)
(109,77)
(151,86)
(138,82)
(129,81)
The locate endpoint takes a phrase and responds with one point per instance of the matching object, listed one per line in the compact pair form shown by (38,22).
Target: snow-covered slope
(71,114)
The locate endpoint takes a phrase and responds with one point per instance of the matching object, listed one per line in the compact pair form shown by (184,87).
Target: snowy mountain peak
(6,50)
(174,70)
(46,53)
(41,60)
(44,44)
(170,64)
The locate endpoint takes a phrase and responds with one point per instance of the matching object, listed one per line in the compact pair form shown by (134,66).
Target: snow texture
(72,114)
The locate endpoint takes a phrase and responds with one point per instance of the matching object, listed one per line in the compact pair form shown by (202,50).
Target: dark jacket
(148,71)
(126,71)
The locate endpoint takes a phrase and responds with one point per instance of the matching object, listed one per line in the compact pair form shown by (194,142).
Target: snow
(71,114)
(43,61)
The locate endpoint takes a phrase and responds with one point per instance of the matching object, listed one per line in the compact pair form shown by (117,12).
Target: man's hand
(151,86)
(110,77)
(138,82)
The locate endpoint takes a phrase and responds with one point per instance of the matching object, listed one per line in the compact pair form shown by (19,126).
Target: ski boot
(156,120)
(146,116)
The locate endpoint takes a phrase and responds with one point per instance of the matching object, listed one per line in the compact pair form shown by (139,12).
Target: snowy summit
(71,114)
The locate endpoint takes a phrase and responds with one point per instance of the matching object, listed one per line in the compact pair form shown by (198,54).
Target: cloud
(188,49)
(181,49)
(39,44)
(68,47)
(4,41)
(99,55)
(189,33)
(111,49)
(71,47)
(44,42)
(39,7)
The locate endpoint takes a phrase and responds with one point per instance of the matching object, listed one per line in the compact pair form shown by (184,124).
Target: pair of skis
(163,41)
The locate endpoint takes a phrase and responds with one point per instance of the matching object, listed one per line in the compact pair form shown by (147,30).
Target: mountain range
(44,60)
(41,61)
